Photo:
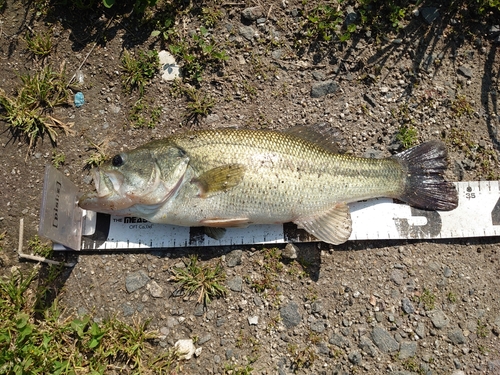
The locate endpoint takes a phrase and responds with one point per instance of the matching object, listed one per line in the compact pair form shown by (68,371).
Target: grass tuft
(205,281)
(29,112)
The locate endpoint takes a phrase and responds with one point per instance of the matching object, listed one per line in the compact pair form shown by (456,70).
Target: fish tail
(425,186)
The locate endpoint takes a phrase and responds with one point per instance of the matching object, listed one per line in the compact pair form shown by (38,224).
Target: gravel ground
(396,307)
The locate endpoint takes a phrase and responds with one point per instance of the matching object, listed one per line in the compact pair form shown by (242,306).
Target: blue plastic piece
(79,99)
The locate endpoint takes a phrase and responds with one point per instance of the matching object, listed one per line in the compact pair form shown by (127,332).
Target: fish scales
(286,177)
(230,177)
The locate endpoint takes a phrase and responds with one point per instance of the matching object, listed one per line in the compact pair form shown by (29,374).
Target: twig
(35,257)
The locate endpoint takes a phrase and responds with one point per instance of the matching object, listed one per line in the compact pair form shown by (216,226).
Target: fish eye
(117,161)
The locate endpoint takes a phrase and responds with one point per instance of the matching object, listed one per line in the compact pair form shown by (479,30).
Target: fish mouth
(106,197)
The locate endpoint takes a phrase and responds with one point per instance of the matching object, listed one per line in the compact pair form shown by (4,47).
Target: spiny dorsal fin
(319,134)
(332,226)
(219,179)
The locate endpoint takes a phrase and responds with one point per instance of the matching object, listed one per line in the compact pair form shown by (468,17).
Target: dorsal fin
(319,134)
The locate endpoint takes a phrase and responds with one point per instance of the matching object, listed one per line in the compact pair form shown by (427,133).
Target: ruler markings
(478,214)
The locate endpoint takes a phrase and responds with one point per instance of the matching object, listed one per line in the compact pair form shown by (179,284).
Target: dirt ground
(399,307)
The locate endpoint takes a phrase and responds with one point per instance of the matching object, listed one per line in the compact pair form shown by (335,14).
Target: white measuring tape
(477,215)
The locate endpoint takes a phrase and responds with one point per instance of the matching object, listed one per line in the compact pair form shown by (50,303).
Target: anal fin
(332,226)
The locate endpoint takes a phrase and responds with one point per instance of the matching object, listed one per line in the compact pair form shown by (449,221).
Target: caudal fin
(425,185)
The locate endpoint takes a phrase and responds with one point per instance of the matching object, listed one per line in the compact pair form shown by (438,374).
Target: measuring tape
(477,215)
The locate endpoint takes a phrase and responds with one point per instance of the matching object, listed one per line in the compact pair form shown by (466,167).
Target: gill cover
(136,180)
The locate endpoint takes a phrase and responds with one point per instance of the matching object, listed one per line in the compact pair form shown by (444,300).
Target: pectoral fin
(332,226)
(215,233)
(219,179)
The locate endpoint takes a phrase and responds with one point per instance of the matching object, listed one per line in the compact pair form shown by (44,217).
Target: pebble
(338,340)
(235,284)
(397,277)
(447,272)
(367,345)
(233,259)
(407,306)
(457,336)
(407,349)
(318,326)
(253,320)
(290,251)
(185,348)
(438,318)
(247,32)
(252,13)
(320,89)
(154,289)
(79,99)
(204,339)
(136,280)
(465,71)
(355,358)
(429,14)
(384,340)
(290,315)
(420,330)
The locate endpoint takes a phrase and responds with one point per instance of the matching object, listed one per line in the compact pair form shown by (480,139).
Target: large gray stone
(290,315)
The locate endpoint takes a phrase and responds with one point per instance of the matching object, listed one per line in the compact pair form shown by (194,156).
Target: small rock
(447,272)
(438,318)
(384,340)
(371,153)
(397,277)
(338,340)
(457,337)
(318,75)
(318,326)
(420,330)
(235,284)
(154,289)
(252,13)
(407,349)
(211,118)
(199,310)
(247,32)
(290,315)
(351,16)
(127,310)
(316,307)
(197,352)
(429,14)
(253,320)
(185,348)
(290,251)
(370,99)
(113,108)
(276,54)
(355,358)
(233,259)
(465,71)
(204,339)
(407,306)
(324,88)
(367,345)
(136,280)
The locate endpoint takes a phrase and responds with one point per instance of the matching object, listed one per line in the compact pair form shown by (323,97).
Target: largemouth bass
(233,178)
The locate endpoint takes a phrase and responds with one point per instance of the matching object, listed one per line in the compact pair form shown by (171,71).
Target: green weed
(39,45)
(461,106)
(29,112)
(408,136)
(301,358)
(428,299)
(482,329)
(200,104)
(58,159)
(137,72)
(142,116)
(206,281)
(452,297)
(57,345)
(37,247)
(98,155)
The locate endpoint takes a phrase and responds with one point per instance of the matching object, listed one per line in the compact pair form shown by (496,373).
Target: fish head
(140,180)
